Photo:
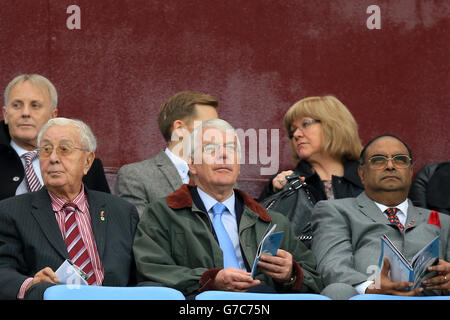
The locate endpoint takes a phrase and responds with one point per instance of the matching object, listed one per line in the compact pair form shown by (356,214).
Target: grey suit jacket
(347,232)
(31,240)
(143,182)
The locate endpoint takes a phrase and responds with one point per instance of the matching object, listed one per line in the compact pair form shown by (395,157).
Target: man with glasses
(205,237)
(65,220)
(347,232)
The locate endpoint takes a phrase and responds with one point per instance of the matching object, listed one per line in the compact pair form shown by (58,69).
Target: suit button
(15,179)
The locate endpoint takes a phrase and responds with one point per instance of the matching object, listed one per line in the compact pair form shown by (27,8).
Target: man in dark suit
(143,182)
(30,101)
(64,220)
(431,187)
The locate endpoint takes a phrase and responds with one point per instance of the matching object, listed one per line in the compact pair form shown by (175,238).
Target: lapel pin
(102,215)
(411,223)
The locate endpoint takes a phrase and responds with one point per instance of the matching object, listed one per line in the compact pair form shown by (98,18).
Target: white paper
(69,274)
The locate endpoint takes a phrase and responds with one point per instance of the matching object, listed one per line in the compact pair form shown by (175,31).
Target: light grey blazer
(142,182)
(347,232)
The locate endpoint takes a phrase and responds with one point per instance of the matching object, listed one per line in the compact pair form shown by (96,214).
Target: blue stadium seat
(227,295)
(389,297)
(71,292)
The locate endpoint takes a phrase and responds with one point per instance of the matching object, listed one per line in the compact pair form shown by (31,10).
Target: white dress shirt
(228,220)
(22,188)
(181,165)
(402,215)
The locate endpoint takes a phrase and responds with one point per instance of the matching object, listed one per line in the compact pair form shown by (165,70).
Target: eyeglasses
(61,150)
(400,161)
(213,148)
(304,126)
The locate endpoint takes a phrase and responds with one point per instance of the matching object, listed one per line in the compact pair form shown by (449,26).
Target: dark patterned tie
(392,216)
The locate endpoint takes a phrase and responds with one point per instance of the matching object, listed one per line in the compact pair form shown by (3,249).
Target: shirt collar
(181,165)
(80,201)
(209,201)
(403,207)
(19,150)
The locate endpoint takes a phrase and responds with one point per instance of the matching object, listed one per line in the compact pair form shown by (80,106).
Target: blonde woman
(325,145)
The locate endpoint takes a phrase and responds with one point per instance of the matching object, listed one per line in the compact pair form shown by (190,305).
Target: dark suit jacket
(12,172)
(431,187)
(31,240)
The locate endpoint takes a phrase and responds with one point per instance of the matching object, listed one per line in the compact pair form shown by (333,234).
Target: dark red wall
(257,56)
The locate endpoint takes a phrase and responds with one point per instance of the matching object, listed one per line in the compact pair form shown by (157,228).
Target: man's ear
(55,113)
(5,113)
(361,173)
(89,160)
(411,172)
(192,168)
(180,128)
(177,124)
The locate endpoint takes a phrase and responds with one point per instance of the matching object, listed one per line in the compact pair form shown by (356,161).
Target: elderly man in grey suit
(347,232)
(142,182)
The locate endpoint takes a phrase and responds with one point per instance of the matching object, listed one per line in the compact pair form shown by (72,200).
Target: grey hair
(87,138)
(37,80)
(218,124)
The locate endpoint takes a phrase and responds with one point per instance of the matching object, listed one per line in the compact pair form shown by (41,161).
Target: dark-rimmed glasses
(400,161)
(304,126)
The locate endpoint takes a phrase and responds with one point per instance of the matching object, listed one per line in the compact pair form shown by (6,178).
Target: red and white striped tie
(33,182)
(75,246)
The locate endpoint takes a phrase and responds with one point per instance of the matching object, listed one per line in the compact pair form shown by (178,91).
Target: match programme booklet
(268,245)
(414,271)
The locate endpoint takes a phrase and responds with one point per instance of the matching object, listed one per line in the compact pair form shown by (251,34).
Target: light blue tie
(229,256)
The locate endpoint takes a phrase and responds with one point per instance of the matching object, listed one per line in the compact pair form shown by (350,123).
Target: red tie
(32,180)
(75,246)
(392,216)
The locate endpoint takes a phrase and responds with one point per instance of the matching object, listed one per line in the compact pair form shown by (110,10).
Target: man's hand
(232,279)
(45,275)
(278,267)
(384,285)
(442,280)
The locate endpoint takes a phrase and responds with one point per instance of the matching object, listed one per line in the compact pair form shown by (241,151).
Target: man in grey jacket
(143,182)
(347,232)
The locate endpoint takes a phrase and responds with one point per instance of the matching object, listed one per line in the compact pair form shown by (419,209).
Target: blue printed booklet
(268,245)
(414,271)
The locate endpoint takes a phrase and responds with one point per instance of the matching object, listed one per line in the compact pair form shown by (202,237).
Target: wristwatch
(291,281)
